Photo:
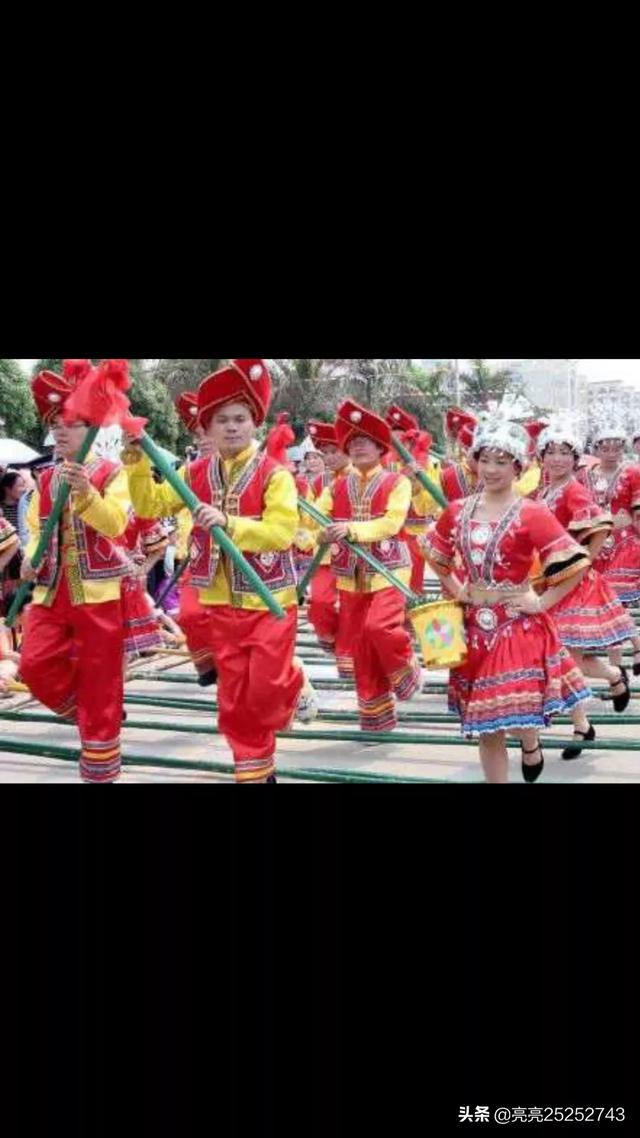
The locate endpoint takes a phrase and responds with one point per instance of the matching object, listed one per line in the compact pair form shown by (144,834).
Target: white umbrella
(15,453)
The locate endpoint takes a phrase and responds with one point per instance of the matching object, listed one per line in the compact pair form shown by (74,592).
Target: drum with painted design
(440,628)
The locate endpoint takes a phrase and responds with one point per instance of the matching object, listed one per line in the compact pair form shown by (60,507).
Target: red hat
(279,439)
(354,420)
(241,381)
(400,420)
(187,408)
(322,434)
(50,393)
(460,425)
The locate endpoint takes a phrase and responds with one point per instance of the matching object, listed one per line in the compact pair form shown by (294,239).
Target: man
(72,652)
(245,492)
(324,610)
(370,506)
(424,509)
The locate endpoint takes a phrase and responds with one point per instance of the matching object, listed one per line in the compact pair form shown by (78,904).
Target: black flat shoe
(272,780)
(574,751)
(532,773)
(621,702)
(208,679)
(636,667)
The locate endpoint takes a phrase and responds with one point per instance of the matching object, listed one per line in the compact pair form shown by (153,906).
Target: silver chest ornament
(602,485)
(267,560)
(487,620)
(477,556)
(481,535)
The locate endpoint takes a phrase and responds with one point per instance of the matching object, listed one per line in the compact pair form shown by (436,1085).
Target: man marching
(72,652)
(370,506)
(246,493)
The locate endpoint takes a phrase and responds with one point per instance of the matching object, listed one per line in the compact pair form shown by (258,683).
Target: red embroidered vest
(244,499)
(99,558)
(321,483)
(352,503)
(456,483)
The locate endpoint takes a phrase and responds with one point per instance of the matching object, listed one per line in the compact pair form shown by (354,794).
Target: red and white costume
(517,674)
(619,561)
(591,619)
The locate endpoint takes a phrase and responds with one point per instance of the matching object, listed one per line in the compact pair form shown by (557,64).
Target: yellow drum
(440,628)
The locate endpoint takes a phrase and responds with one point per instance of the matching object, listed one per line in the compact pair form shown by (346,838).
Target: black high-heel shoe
(574,751)
(621,702)
(532,773)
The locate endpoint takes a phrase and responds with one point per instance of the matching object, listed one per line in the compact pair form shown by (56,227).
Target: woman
(615,485)
(12,491)
(517,674)
(591,619)
(145,542)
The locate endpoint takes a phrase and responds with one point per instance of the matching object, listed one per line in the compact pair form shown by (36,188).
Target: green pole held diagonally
(223,540)
(361,552)
(62,497)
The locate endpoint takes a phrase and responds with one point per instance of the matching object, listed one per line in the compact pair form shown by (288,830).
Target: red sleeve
(586,516)
(634,480)
(440,548)
(557,550)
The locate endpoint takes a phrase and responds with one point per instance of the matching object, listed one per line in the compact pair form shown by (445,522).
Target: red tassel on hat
(279,439)
(101,400)
(76,369)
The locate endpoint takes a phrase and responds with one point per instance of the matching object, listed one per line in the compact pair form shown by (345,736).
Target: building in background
(551,385)
(611,396)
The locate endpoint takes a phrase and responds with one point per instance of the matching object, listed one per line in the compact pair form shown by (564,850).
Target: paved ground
(449,761)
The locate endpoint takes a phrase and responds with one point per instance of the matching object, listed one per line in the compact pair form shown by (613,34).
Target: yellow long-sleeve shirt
(274,532)
(423,504)
(108,513)
(313,533)
(377,530)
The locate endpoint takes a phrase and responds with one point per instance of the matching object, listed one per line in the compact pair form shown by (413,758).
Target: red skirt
(141,629)
(622,566)
(592,618)
(517,674)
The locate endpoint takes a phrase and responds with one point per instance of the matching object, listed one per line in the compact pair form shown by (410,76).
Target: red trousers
(383,657)
(258,684)
(72,660)
(194,620)
(328,620)
(418,562)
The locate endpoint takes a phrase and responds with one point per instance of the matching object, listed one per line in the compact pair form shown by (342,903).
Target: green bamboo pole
(313,774)
(175,678)
(48,531)
(334,683)
(406,738)
(311,572)
(361,552)
(223,540)
(423,478)
(333,715)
